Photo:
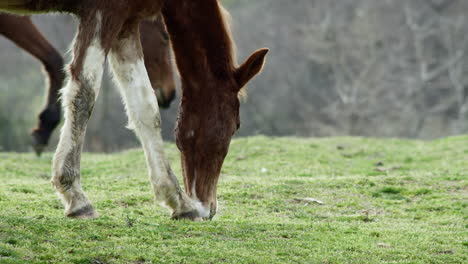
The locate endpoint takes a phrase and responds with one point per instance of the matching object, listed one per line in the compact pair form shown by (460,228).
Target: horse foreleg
(78,100)
(126,59)
(23,33)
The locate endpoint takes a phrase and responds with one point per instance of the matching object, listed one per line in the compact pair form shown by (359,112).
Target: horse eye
(165,36)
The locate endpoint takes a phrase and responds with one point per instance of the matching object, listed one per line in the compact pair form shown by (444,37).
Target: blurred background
(387,68)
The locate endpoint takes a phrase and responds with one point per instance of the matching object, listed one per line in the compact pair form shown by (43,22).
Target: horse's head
(158,62)
(208,118)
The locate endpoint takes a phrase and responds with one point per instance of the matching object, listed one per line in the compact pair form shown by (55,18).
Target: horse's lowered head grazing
(206,124)
(211,83)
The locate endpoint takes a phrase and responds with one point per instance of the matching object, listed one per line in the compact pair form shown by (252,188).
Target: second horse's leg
(31,40)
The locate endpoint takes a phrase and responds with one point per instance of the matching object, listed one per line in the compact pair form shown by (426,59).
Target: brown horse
(209,110)
(156,49)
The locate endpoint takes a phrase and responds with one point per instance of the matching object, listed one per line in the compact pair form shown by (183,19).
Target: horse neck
(200,38)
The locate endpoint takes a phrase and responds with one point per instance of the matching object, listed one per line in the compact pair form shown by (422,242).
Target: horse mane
(227,21)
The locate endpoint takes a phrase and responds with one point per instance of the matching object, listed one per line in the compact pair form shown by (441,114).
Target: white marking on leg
(92,72)
(143,114)
(72,196)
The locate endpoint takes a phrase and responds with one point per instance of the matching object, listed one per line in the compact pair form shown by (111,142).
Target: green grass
(385,201)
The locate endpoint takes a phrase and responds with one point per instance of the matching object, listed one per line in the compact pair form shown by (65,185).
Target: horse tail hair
(36,6)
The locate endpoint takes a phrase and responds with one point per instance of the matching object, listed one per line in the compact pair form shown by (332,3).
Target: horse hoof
(86,212)
(191,215)
(37,144)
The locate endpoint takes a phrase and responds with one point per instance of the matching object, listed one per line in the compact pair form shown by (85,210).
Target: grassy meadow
(384,201)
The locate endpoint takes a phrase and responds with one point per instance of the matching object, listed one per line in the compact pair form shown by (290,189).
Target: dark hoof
(38,143)
(191,215)
(86,212)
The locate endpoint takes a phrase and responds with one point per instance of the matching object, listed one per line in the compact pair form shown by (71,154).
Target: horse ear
(251,67)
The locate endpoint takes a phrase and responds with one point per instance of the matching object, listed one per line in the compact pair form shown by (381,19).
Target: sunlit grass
(385,201)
